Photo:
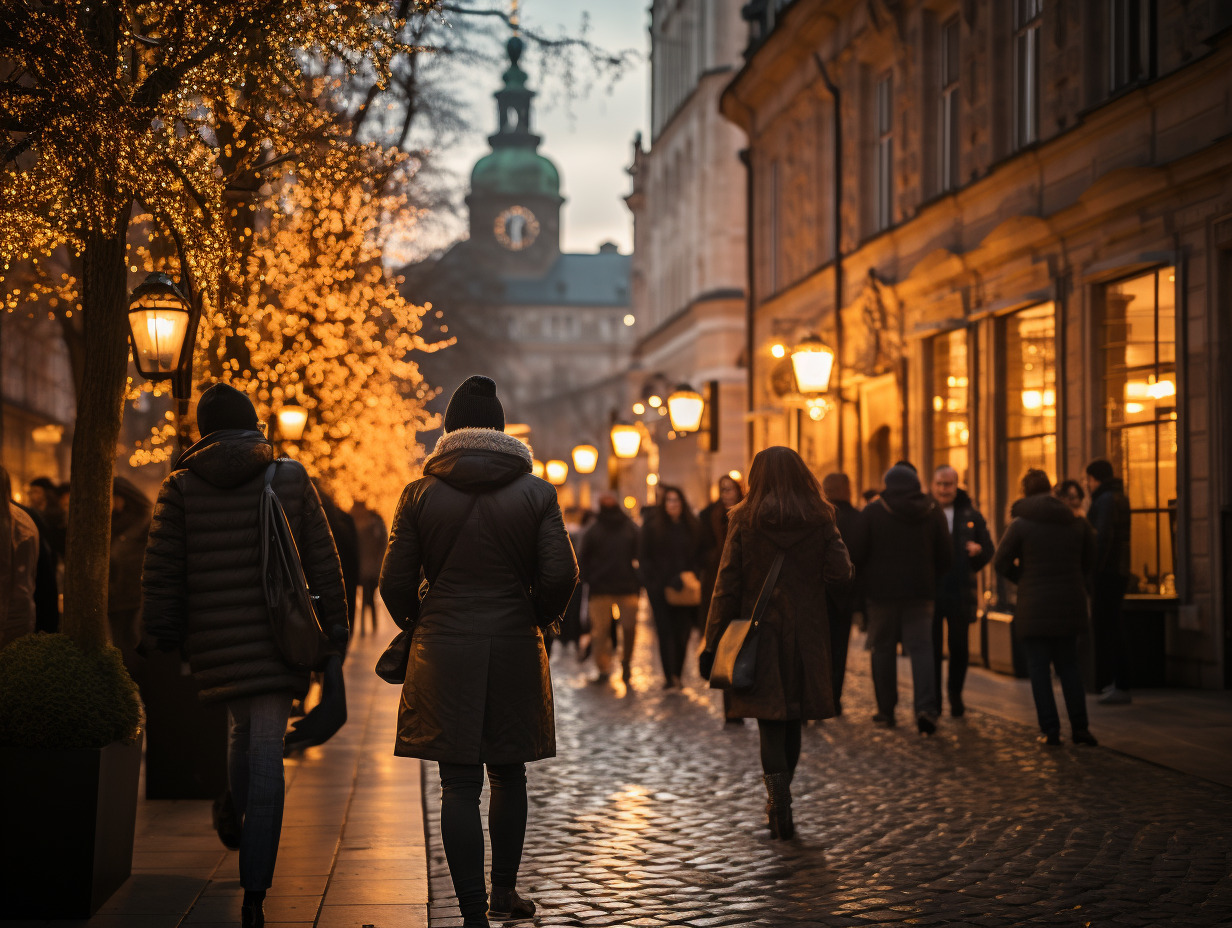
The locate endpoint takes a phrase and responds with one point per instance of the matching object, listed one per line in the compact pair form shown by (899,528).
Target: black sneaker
(1085,737)
(885,719)
(1051,739)
(925,725)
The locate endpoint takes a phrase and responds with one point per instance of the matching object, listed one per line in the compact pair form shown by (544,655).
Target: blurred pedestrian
(955,606)
(346,540)
(491,541)
(44,495)
(46,576)
(571,621)
(841,601)
(900,549)
(1109,514)
(1070,493)
(372,537)
(18,563)
(713,521)
(130,529)
(784,513)
(670,560)
(203,593)
(607,557)
(1048,552)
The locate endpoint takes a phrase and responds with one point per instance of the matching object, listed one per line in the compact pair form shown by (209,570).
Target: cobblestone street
(652,814)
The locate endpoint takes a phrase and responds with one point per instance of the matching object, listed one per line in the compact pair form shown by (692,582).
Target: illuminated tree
(110,104)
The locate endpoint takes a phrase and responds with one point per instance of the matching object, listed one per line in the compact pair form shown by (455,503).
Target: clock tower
(515,200)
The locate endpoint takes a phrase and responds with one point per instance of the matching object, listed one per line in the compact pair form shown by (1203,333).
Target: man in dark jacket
(841,603)
(373,536)
(606,559)
(491,542)
(1109,513)
(955,605)
(900,549)
(203,593)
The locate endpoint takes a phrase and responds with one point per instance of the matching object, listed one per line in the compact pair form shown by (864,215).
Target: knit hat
(901,478)
(224,407)
(1101,470)
(474,406)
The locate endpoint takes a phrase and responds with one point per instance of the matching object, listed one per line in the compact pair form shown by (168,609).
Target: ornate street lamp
(626,440)
(685,406)
(159,319)
(557,472)
(292,417)
(585,459)
(813,361)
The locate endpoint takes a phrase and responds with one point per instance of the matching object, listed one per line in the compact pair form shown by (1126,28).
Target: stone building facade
(1034,227)
(688,205)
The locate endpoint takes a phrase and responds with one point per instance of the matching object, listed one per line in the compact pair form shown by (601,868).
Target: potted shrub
(70,759)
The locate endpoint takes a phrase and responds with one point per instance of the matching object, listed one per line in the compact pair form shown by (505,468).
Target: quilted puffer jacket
(477,687)
(202,582)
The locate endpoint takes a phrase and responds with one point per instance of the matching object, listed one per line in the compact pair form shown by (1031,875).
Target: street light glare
(585,459)
(778,350)
(630,319)
(557,472)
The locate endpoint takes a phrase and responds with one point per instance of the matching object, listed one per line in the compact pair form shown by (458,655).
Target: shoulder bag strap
(763,598)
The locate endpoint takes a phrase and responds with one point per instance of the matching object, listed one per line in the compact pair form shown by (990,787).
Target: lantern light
(292,417)
(626,440)
(536,467)
(812,360)
(778,350)
(685,406)
(654,400)
(556,471)
(639,409)
(158,321)
(585,459)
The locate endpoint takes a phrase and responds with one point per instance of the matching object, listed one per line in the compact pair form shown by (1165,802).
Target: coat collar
(480,440)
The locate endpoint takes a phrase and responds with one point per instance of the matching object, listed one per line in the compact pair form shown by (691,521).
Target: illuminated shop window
(1029,394)
(951,417)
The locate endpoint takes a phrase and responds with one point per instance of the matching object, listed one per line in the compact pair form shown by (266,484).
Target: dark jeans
(256,727)
(462,830)
(956,618)
(840,638)
(911,622)
(1060,652)
(368,588)
(1107,593)
(673,626)
(780,744)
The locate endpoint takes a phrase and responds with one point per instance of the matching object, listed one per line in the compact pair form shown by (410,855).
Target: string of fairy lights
(211,130)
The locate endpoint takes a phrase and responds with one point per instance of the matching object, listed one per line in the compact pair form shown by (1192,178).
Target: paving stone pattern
(653,814)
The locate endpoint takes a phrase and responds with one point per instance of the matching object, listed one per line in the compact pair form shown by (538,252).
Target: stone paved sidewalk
(652,814)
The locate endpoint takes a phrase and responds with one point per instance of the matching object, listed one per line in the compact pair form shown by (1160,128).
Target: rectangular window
(1028,16)
(951,430)
(947,122)
(1139,344)
(883,160)
(1029,395)
(1127,56)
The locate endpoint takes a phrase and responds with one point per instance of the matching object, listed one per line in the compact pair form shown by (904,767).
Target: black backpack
(292,607)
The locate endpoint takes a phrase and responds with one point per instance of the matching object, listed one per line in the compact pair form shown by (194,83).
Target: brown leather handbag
(735,658)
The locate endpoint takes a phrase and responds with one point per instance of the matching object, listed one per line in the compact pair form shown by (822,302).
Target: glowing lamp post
(556,472)
(626,440)
(585,459)
(162,326)
(684,407)
(292,417)
(813,361)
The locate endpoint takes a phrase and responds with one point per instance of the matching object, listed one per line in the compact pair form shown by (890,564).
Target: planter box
(186,742)
(69,818)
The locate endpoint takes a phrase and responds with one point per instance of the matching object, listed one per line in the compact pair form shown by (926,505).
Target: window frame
(947,104)
(883,152)
(1028,23)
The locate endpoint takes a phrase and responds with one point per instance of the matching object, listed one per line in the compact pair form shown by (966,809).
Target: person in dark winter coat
(203,593)
(373,536)
(783,513)
(490,540)
(1048,552)
(46,581)
(18,563)
(900,548)
(840,601)
(668,548)
(606,559)
(130,528)
(1109,514)
(955,605)
(346,540)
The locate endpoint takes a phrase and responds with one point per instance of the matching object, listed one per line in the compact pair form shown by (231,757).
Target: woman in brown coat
(784,511)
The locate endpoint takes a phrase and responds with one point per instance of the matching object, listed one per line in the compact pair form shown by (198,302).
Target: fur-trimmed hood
(478,459)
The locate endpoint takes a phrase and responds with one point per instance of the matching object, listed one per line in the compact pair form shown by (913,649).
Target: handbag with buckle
(735,657)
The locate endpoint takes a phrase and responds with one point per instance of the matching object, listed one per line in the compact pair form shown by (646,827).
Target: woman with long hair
(785,512)
(668,548)
(714,521)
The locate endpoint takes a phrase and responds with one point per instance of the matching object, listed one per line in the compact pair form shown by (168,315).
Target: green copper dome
(515,172)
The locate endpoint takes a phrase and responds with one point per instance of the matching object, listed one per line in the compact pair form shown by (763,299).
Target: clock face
(516,228)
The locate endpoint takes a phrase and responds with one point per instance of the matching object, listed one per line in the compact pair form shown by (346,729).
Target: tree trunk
(100,410)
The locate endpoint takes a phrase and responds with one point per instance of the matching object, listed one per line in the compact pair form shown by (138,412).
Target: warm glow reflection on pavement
(652,814)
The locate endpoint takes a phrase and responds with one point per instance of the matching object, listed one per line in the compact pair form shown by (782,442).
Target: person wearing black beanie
(224,407)
(474,405)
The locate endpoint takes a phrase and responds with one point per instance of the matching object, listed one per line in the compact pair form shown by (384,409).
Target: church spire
(513,100)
